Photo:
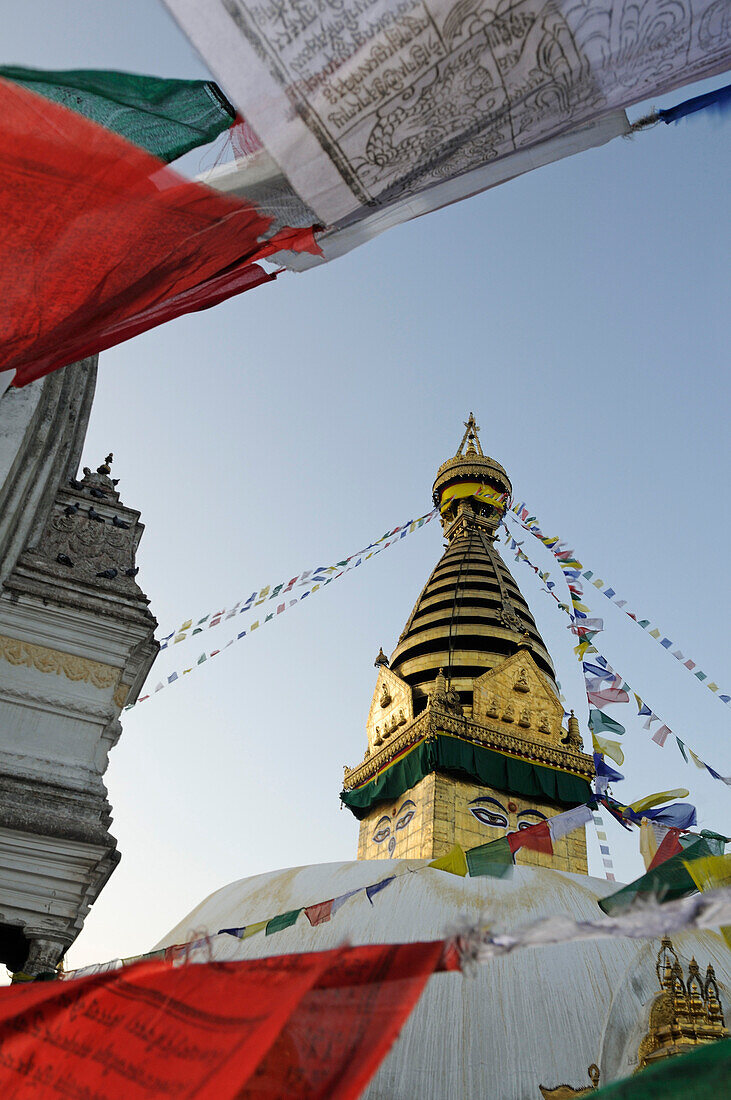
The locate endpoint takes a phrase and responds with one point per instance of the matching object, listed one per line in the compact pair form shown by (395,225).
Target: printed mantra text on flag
(310,1025)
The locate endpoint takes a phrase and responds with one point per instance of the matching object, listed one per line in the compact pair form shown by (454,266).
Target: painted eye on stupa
(404,821)
(489,817)
(383,830)
(534,817)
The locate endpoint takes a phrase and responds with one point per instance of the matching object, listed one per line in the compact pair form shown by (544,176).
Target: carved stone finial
(381,660)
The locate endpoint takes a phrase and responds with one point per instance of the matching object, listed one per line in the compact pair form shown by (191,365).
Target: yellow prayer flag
(598,584)
(655,799)
(655,633)
(186,625)
(612,749)
(648,842)
(696,760)
(712,687)
(455,862)
(708,873)
(252,929)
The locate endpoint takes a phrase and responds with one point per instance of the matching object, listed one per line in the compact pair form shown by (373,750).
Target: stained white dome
(539,1016)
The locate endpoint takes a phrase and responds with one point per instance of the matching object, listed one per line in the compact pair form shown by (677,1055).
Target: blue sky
(581,311)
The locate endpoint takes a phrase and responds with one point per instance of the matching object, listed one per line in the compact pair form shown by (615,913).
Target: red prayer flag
(536,837)
(669,846)
(100,241)
(310,1025)
(320,913)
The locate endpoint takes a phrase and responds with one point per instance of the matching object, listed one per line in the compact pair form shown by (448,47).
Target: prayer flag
(681,815)
(494,859)
(681,746)
(660,735)
(655,799)
(602,723)
(100,208)
(668,881)
(669,846)
(603,769)
(712,873)
(608,695)
(341,899)
(376,888)
(283,920)
(535,837)
(320,913)
(454,862)
(316,1024)
(696,760)
(253,929)
(612,749)
(562,824)
(165,117)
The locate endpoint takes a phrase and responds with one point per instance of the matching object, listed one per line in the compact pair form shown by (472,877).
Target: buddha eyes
(382,834)
(489,817)
(404,821)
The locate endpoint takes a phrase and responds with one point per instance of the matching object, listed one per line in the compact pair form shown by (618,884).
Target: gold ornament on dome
(687,1012)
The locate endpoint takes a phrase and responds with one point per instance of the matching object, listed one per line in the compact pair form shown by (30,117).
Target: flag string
(310,578)
(595,675)
(529,523)
(286,597)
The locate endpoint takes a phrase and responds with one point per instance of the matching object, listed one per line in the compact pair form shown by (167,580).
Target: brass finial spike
(471,437)
(381,660)
(105,467)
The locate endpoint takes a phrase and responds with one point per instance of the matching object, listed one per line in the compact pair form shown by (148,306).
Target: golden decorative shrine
(465,731)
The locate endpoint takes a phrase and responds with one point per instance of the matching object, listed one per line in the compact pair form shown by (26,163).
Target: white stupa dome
(540,1016)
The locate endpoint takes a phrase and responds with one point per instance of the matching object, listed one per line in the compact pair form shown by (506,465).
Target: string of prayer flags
(604,848)
(600,696)
(577,572)
(98,210)
(312,579)
(166,117)
(282,605)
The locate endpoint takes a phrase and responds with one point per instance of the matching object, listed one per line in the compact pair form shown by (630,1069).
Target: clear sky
(581,311)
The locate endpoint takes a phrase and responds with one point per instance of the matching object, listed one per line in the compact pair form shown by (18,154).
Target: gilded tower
(465,731)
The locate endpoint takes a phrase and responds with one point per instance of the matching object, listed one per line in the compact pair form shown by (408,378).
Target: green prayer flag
(284,920)
(165,117)
(702,1075)
(669,881)
(602,723)
(494,858)
(681,746)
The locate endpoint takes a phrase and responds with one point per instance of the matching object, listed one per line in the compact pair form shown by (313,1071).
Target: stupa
(466,742)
